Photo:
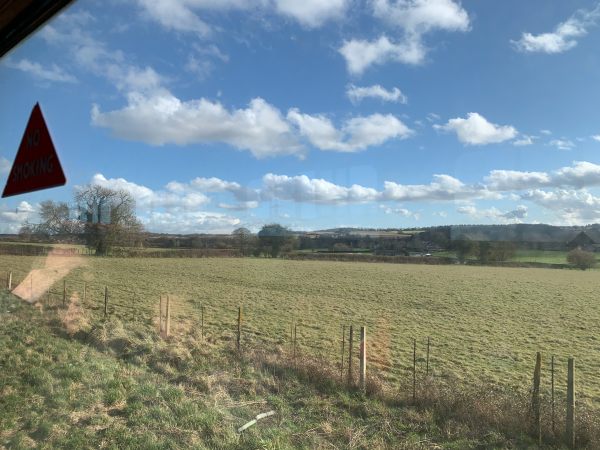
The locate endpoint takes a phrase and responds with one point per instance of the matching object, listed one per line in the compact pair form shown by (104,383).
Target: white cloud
(242,206)
(442,188)
(5,166)
(421,16)
(189,222)
(494,214)
(476,130)
(361,54)
(562,144)
(524,141)
(357,94)
(312,13)
(509,180)
(433,117)
(414,18)
(563,38)
(400,212)
(580,175)
(94,56)
(572,207)
(314,190)
(596,137)
(148,199)
(260,128)
(12,219)
(546,132)
(181,15)
(356,134)
(175,15)
(177,207)
(51,73)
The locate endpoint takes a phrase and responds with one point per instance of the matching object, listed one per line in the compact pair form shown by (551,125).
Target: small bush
(581,259)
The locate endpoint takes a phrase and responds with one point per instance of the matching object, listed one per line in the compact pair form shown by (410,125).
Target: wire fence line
(141,305)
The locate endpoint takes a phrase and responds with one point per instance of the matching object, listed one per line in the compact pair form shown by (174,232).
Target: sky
(216,114)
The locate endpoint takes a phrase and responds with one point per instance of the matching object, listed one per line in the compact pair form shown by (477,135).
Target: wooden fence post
(552,392)
(160,317)
(343,344)
(427,363)
(9,282)
(571,404)
(363,358)
(536,426)
(31,286)
(64,292)
(105,301)
(202,321)
(414,369)
(295,341)
(168,318)
(350,344)
(239,328)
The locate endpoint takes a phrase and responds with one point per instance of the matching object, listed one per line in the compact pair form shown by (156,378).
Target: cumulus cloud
(574,207)
(312,13)
(413,18)
(361,54)
(357,94)
(69,32)
(563,38)
(52,73)
(442,188)
(242,206)
(477,130)
(403,212)
(562,144)
(178,207)
(189,222)
(5,166)
(563,192)
(147,198)
(259,128)
(508,180)
(355,134)
(512,216)
(314,190)
(524,141)
(580,175)
(176,15)
(182,15)
(421,16)
(12,219)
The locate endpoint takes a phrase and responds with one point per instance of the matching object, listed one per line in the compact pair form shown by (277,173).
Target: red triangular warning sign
(36,165)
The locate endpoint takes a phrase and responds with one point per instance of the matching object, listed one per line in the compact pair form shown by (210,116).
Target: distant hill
(523,232)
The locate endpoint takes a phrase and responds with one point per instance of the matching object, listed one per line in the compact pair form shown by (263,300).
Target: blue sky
(216,114)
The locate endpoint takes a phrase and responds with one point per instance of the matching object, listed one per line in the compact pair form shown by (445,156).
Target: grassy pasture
(485,323)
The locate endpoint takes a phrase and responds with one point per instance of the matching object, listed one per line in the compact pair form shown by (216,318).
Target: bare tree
(109,218)
(56,219)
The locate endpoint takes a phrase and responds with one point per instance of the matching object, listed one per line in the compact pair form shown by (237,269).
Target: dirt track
(38,281)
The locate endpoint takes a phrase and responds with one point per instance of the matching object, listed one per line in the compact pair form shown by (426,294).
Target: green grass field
(485,324)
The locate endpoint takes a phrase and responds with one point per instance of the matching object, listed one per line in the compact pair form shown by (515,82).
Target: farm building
(583,241)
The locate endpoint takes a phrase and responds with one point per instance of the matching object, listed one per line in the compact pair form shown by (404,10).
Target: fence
(101,301)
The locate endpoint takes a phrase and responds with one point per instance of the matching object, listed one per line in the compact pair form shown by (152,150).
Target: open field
(485,323)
